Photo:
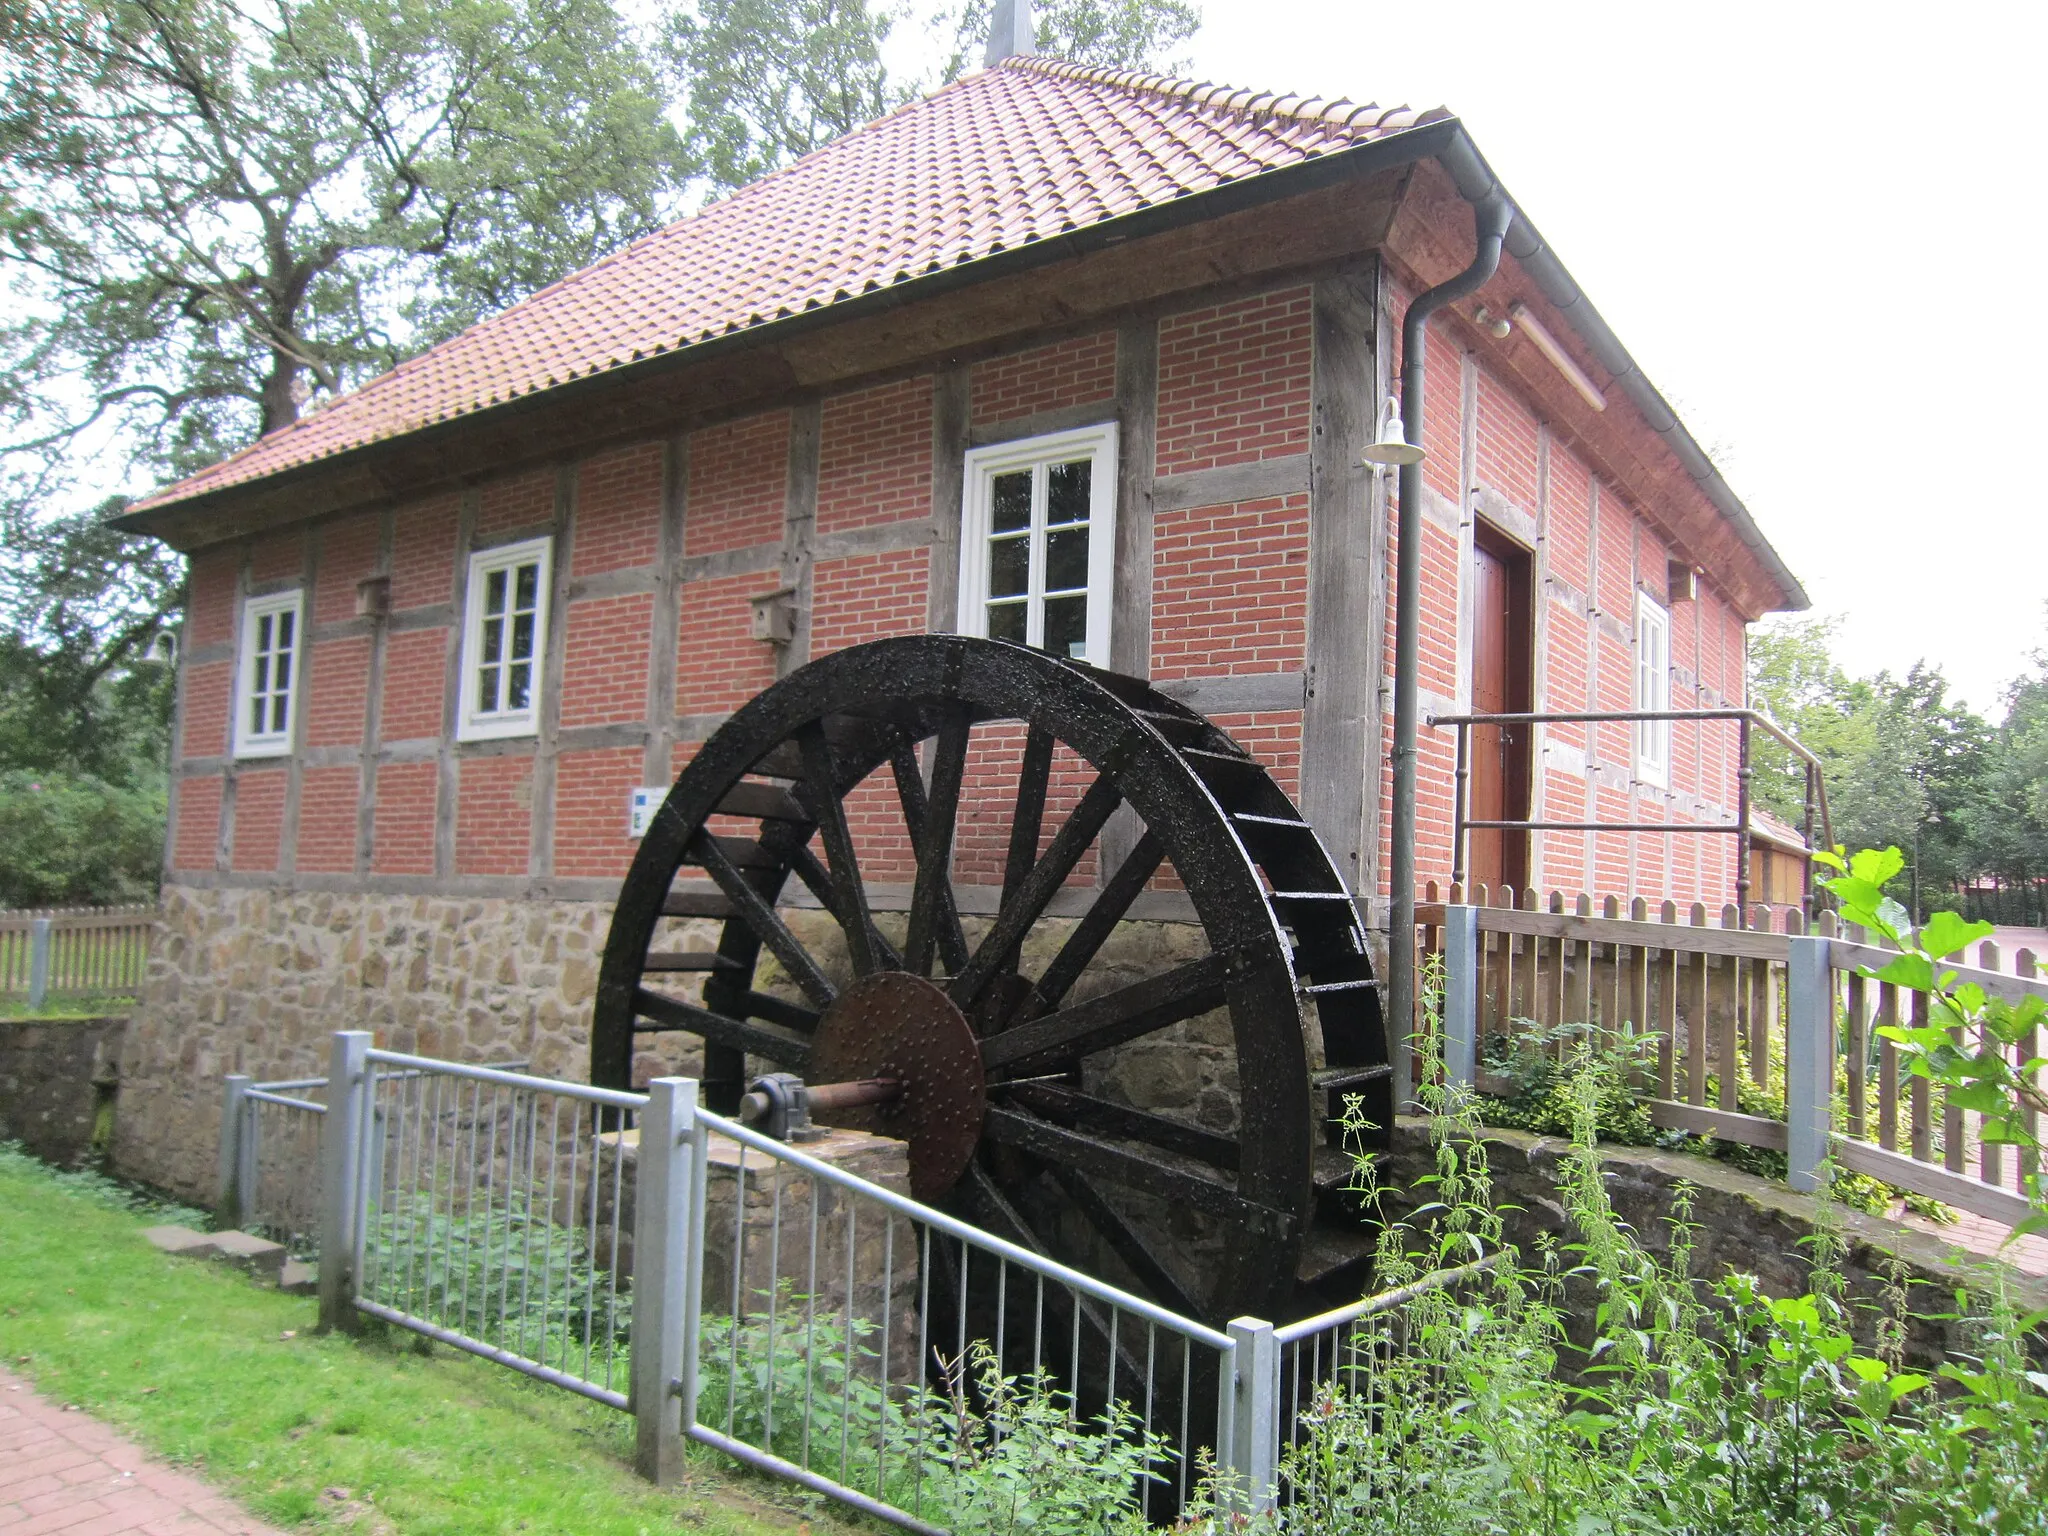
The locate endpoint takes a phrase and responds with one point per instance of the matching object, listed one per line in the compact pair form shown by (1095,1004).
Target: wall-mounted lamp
(1560,359)
(1392,447)
(1496,326)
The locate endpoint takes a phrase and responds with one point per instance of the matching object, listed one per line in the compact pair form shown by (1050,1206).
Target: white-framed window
(1653,691)
(267,681)
(504,635)
(1038,542)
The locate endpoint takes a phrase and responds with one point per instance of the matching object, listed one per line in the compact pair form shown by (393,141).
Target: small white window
(1038,541)
(502,640)
(1653,691)
(267,685)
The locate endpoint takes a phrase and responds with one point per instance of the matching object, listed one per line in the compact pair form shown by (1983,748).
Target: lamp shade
(1392,445)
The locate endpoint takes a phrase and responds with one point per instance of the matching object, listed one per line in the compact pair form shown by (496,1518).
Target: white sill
(492,728)
(280,746)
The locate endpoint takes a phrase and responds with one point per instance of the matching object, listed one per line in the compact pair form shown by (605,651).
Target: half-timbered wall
(1495,461)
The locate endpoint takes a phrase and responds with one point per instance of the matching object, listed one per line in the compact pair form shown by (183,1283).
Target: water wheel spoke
(1140,1170)
(1026,903)
(761,919)
(995,1212)
(1128,1244)
(784,1047)
(932,819)
(1027,819)
(1046,1043)
(818,881)
(1089,935)
(818,792)
(1071,1107)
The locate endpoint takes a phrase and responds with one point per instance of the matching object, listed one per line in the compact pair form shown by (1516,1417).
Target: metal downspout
(1492,213)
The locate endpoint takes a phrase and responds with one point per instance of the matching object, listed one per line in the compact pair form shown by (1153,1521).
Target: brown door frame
(1518,565)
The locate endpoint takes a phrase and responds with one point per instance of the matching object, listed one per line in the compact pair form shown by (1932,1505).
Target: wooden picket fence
(100,951)
(1699,1003)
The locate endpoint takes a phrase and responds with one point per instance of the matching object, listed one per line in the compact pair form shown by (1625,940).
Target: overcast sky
(1817,227)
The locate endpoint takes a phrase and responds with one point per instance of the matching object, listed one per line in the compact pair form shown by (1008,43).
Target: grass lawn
(224,1377)
(72,1005)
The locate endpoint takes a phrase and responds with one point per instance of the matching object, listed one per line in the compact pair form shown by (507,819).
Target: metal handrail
(1742,825)
(1383,1301)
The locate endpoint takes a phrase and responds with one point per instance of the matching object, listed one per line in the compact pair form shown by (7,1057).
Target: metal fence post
(341,1184)
(662,1252)
(235,1195)
(1253,1387)
(1809,1060)
(1461,995)
(38,961)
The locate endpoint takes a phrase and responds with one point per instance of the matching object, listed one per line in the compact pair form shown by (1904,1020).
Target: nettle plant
(1972,1044)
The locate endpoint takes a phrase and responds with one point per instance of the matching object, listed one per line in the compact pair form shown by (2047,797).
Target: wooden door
(1498,789)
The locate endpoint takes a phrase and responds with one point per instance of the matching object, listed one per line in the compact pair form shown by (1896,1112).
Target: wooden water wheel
(1028,1119)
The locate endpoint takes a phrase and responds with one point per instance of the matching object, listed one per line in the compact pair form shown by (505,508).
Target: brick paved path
(67,1472)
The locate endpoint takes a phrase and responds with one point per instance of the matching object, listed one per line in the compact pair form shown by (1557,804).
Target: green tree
(217,212)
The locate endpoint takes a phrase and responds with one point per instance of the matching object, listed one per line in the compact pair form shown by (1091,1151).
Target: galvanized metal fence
(270,1136)
(731,1289)
(90,951)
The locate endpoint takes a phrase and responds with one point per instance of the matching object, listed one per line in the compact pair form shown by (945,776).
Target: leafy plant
(1971,1045)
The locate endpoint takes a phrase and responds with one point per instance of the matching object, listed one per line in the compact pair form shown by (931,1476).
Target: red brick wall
(198,830)
(259,817)
(739,484)
(494,816)
(337,688)
(618,510)
(423,551)
(278,556)
(591,790)
(1233,382)
(1230,588)
(402,825)
(515,502)
(208,691)
(604,660)
(415,673)
(875,456)
(327,819)
(1067,373)
(718,667)
(348,553)
(867,597)
(210,596)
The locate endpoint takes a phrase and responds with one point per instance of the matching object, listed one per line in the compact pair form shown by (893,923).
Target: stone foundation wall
(1742,1223)
(256,980)
(57,1082)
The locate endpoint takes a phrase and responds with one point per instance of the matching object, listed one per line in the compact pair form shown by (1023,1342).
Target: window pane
(487,690)
(494,592)
(278,705)
(529,580)
(284,630)
(1010,506)
(284,671)
(262,634)
(518,685)
(256,716)
(493,637)
(1006,622)
(1009,567)
(1066,559)
(1066,492)
(260,682)
(522,637)
(1066,626)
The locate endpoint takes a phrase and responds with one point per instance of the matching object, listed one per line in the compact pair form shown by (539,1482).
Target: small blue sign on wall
(641,806)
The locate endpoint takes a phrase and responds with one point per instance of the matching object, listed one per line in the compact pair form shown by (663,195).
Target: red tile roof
(1031,149)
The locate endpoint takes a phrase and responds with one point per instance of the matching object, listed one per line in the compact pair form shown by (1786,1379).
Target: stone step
(185,1240)
(258,1255)
(298,1278)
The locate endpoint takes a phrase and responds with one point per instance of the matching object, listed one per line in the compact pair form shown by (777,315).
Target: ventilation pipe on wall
(1492,213)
